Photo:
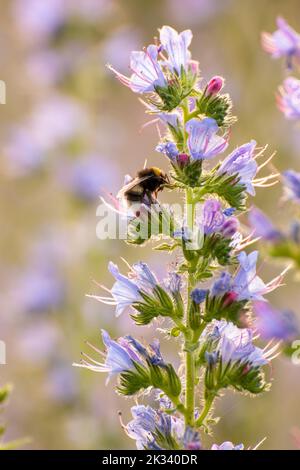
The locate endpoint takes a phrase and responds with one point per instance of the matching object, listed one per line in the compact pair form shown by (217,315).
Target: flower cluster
(206,301)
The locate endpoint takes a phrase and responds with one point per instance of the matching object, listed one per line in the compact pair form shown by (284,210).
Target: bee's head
(161,174)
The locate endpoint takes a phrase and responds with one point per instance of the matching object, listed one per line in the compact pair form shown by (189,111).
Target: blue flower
(222,285)
(227,445)
(246,284)
(126,291)
(291,180)
(241,162)
(118,358)
(147,422)
(214,220)
(288,99)
(176,45)
(174,282)
(203,141)
(284,42)
(191,439)
(212,216)
(235,346)
(151,354)
(169,149)
(262,225)
(229,211)
(199,295)
(272,323)
(147,72)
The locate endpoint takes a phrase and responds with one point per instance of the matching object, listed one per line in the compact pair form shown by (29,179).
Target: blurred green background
(69,128)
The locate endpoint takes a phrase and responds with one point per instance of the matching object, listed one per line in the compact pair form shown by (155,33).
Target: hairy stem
(205,411)
(189,354)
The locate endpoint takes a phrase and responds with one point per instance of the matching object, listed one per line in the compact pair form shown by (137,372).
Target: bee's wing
(135,182)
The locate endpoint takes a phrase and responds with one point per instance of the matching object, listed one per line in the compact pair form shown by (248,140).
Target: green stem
(189,355)
(206,409)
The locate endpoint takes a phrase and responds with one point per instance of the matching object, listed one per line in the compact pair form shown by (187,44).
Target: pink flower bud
(215,85)
(182,159)
(229,298)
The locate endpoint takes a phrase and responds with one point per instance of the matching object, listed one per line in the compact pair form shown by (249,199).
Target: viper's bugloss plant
(206,302)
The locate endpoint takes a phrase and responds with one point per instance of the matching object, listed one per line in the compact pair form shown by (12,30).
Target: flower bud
(215,85)
(182,159)
(230,227)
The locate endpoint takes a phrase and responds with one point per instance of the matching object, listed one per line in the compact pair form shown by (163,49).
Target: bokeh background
(68,129)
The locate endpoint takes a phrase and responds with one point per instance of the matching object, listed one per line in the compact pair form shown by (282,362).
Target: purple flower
(191,439)
(203,141)
(284,42)
(235,346)
(272,323)
(222,285)
(262,225)
(227,445)
(174,283)
(288,99)
(214,220)
(241,162)
(169,149)
(147,72)
(199,295)
(147,422)
(212,216)
(291,181)
(176,45)
(119,357)
(230,227)
(246,284)
(126,291)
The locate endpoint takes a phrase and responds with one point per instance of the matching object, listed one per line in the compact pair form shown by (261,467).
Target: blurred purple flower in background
(118,46)
(194,11)
(88,176)
(203,141)
(38,342)
(291,182)
(241,162)
(262,225)
(284,42)
(272,323)
(21,153)
(288,98)
(40,20)
(56,120)
(40,289)
(62,383)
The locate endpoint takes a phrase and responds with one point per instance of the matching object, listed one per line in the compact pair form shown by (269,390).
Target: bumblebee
(147,183)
